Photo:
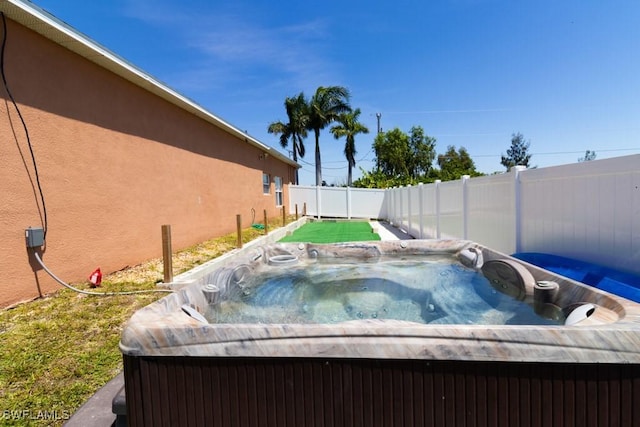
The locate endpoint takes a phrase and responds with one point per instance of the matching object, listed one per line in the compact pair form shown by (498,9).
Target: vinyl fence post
(390,205)
(518,207)
(465,206)
(396,207)
(401,221)
(420,210)
(409,209)
(438,182)
(318,201)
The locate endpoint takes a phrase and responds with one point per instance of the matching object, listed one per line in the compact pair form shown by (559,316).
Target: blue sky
(565,74)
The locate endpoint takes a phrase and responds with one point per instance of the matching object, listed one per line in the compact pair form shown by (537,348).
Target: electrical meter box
(34,236)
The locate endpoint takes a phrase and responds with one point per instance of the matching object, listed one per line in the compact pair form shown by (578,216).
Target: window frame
(279,190)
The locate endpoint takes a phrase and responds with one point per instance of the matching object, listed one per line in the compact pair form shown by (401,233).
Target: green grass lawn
(332,232)
(57,351)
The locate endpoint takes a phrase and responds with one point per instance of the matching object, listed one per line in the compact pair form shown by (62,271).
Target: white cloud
(231,45)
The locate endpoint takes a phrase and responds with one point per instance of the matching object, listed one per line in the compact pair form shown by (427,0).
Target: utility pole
(378,116)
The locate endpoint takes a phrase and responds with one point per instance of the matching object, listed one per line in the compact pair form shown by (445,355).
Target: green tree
(392,151)
(374,179)
(401,159)
(325,107)
(588,156)
(517,154)
(295,129)
(454,164)
(422,148)
(349,127)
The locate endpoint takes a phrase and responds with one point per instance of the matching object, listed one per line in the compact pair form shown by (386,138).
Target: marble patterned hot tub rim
(179,371)
(163,329)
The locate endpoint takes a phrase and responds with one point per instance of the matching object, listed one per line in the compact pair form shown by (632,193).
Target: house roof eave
(50,27)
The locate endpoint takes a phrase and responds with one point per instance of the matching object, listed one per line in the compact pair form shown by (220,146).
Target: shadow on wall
(33,177)
(58,81)
(35,266)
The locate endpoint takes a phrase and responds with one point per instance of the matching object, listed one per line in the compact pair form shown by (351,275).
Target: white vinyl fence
(338,202)
(480,209)
(589,210)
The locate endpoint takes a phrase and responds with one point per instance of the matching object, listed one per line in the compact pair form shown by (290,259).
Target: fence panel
(429,212)
(406,207)
(589,211)
(334,202)
(300,195)
(413,210)
(397,206)
(451,210)
(491,211)
(368,203)
(340,202)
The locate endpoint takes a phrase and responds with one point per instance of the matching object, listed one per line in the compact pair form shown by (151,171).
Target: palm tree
(295,129)
(349,127)
(324,107)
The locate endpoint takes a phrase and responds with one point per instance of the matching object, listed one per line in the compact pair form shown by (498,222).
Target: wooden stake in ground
(167,260)
(239,227)
(266,224)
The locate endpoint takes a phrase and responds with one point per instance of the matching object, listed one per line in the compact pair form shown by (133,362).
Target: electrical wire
(102,294)
(37,175)
(324,167)
(24,125)
(478,110)
(555,153)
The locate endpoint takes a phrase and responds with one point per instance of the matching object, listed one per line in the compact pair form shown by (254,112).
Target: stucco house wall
(115,163)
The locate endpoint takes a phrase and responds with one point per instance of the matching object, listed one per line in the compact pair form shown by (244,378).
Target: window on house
(278,182)
(266,183)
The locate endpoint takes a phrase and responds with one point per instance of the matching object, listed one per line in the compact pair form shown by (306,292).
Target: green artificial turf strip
(332,232)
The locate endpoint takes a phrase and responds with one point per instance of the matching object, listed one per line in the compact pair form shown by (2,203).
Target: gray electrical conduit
(102,294)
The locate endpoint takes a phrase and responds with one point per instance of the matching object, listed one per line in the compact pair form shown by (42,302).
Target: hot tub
(419,332)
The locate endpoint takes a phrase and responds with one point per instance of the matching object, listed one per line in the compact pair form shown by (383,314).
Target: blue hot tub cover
(617,282)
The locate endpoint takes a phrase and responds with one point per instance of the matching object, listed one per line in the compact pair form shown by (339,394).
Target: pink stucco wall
(116,163)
